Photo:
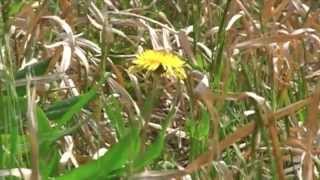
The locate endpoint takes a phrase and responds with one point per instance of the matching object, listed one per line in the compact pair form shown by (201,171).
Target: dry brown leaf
(166,40)
(155,40)
(158,175)
(24,18)
(279,10)
(186,47)
(124,96)
(312,125)
(68,12)
(117,72)
(267,11)
(281,37)
(296,143)
(17,172)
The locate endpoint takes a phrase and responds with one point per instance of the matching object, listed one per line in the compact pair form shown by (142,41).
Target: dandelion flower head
(169,64)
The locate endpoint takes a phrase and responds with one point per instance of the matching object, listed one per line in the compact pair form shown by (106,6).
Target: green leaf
(203,127)
(76,108)
(58,109)
(155,149)
(13,143)
(117,156)
(15,7)
(49,156)
(62,104)
(36,69)
(151,153)
(21,143)
(113,110)
(47,135)
(43,122)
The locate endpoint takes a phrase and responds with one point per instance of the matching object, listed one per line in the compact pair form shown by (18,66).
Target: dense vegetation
(151,89)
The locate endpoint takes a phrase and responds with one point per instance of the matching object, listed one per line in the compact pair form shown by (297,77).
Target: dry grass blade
(137,88)
(66,58)
(312,125)
(234,19)
(81,54)
(23,173)
(33,129)
(291,109)
(186,47)
(68,154)
(268,121)
(158,175)
(146,19)
(247,13)
(155,40)
(239,104)
(243,132)
(99,21)
(89,44)
(72,45)
(281,36)
(124,96)
(247,129)
(273,132)
(166,40)
(267,11)
(203,92)
(63,24)
(277,12)
(68,45)
(33,25)
(41,79)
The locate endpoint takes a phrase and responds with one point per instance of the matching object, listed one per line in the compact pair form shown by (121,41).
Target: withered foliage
(248,108)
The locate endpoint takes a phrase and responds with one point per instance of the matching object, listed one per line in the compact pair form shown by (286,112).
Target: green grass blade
(117,156)
(58,109)
(76,108)
(113,110)
(35,69)
(49,157)
(155,149)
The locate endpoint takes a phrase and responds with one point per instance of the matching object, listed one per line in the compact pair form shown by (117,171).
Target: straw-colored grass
(150,89)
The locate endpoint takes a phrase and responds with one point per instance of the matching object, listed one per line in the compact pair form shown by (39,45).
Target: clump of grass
(153,90)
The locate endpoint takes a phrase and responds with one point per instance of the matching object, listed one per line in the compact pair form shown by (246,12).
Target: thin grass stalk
(312,125)
(276,149)
(28,51)
(32,127)
(242,133)
(196,18)
(148,107)
(216,64)
(11,112)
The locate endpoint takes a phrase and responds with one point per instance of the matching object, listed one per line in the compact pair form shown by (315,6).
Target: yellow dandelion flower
(169,64)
